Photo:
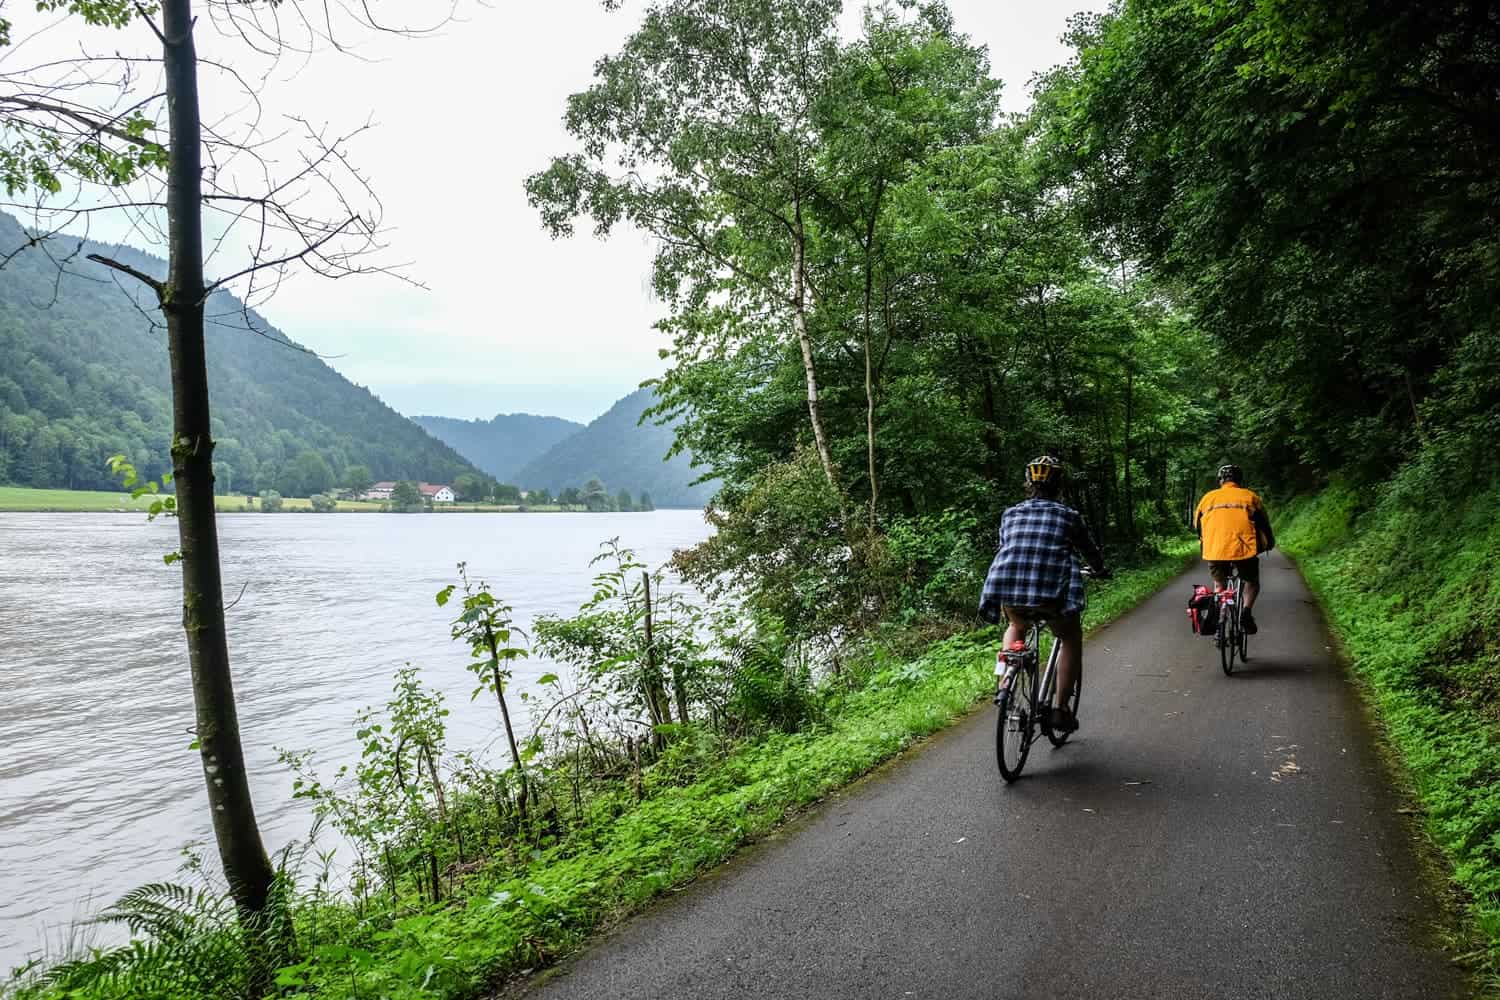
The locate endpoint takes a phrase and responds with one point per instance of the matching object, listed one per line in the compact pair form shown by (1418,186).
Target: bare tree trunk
(1129,419)
(870,383)
(247,869)
(510,733)
(679,685)
(656,697)
(799,321)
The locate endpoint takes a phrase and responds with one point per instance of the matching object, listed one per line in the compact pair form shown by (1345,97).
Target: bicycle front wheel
(1244,646)
(1013,726)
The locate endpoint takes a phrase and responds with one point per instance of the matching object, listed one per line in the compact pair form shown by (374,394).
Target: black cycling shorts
(1249,569)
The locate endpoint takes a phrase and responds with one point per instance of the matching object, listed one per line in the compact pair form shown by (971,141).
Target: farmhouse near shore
(436,492)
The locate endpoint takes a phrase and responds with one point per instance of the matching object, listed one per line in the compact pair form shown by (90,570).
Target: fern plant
(186,944)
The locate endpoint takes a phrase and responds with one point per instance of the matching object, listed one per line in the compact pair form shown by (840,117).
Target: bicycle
(1023,701)
(1231,639)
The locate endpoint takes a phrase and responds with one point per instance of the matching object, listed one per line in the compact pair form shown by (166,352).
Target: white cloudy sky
(511,320)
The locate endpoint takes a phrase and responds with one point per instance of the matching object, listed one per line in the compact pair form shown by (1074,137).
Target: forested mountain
(624,453)
(84,375)
(502,444)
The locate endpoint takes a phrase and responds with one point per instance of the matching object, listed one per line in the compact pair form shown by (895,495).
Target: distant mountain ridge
(623,453)
(84,374)
(502,444)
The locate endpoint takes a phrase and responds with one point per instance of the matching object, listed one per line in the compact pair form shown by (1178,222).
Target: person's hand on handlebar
(1097,573)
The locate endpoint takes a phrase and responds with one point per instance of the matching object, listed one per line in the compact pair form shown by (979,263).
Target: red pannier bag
(1203,611)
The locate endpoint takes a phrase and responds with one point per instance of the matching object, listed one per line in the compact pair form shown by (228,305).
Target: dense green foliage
(504,443)
(624,452)
(1317,181)
(455,886)
(84,375)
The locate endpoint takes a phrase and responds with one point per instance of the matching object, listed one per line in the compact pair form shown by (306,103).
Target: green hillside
(502,444)
(84,375)
(624,454)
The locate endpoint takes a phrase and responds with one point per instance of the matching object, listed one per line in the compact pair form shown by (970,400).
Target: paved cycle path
(1202,836)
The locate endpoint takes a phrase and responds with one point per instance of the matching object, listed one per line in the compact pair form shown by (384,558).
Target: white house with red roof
(436,492)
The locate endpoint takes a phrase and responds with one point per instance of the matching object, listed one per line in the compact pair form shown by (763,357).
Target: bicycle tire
(1225,643)
(1013,735)
(1244,646)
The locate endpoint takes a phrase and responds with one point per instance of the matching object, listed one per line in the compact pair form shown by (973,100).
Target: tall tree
(901,91)
(700,131)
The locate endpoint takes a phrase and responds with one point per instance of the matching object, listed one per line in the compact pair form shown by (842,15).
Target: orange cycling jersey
(1226,522)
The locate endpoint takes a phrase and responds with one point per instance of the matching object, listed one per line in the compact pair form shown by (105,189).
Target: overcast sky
(512,320)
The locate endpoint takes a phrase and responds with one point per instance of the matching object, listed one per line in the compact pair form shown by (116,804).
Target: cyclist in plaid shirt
(1035,570)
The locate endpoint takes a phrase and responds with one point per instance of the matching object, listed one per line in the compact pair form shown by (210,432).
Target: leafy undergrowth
(1412,591)
(514,919)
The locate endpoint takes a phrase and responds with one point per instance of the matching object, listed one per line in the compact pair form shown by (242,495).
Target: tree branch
(146,279)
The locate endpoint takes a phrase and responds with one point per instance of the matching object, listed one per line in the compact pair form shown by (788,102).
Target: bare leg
(1219,574)
(1248,593)
(1069,635)
(1016,630)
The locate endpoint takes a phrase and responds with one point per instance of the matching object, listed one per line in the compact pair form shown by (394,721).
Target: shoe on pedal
(1247,622)
(1063,721)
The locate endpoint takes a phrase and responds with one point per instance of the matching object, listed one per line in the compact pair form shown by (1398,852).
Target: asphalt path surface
(1201,836)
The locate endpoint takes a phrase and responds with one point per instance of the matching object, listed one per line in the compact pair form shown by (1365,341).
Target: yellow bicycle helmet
(1044,470)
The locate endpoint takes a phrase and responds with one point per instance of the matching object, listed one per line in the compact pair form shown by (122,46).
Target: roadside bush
(270,501)
(323,503)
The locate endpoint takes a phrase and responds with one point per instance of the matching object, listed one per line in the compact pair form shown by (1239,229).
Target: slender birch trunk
(247,869)
(799,321)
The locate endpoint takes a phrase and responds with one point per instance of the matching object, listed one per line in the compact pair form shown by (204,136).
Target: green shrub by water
(1410,585)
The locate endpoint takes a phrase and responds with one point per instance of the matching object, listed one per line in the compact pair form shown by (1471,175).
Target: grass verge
(1414,597)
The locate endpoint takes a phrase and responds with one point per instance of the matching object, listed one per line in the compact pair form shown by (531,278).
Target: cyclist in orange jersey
(1232,525)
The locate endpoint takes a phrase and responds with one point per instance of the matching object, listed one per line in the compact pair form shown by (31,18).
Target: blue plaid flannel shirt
(1035,565)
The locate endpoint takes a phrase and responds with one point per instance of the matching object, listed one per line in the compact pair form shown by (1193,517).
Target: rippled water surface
(98,791)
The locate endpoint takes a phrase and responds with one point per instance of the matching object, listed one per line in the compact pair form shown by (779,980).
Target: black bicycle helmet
(1044,470)
(1230,473)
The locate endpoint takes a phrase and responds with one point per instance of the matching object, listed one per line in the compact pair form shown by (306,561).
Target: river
(98,789)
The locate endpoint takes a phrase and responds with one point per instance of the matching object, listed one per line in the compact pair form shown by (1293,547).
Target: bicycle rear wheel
(1244,646)
(1226,642)
(1014,725)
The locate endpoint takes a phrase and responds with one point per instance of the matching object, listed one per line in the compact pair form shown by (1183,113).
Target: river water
(99,792)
